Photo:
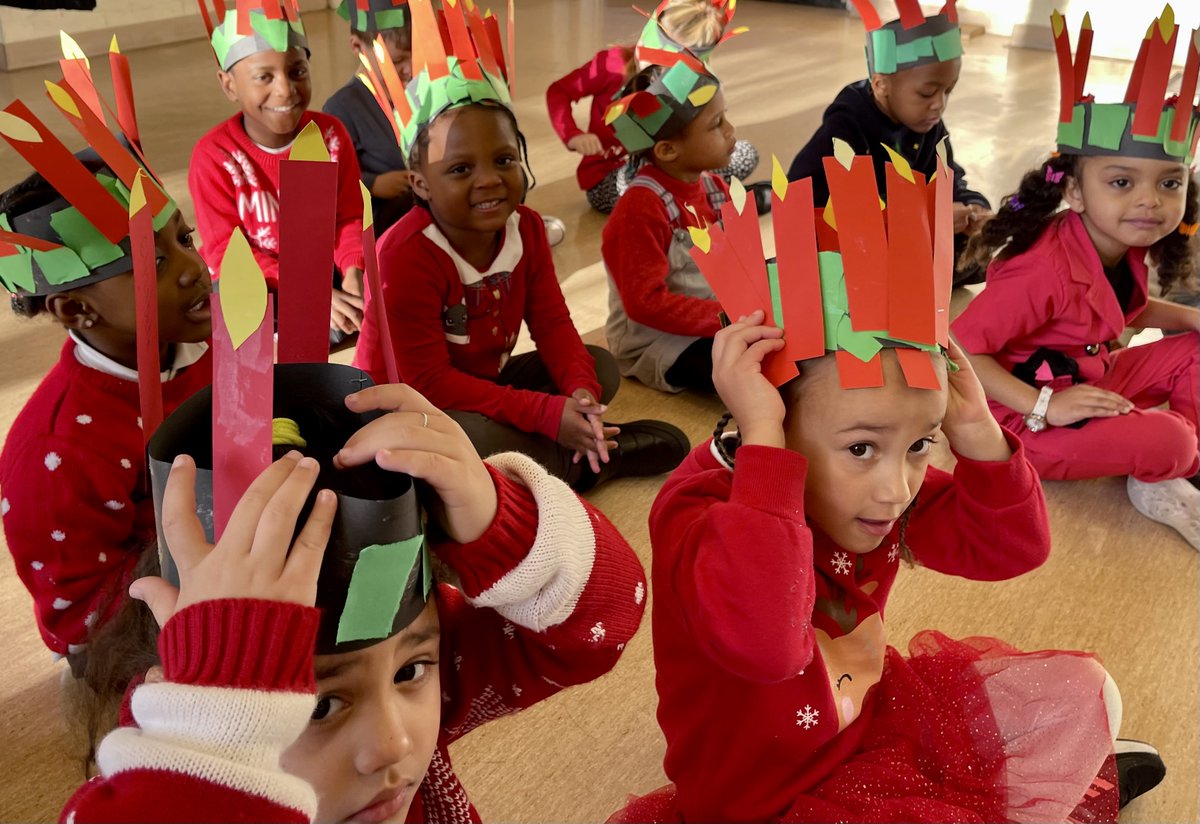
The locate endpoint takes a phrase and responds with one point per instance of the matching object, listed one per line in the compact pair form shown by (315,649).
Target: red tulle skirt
(964,731)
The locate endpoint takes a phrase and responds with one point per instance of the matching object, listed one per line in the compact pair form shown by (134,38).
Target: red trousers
(1148,443)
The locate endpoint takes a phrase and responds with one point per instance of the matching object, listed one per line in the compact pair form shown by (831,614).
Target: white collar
(185,355)
(506,261)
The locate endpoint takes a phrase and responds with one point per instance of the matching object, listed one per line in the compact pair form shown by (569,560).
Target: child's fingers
(156,594)
(181,528)
(401,430)
(391,397)
(277,525)
(759,350)
(243,523)
(303,563)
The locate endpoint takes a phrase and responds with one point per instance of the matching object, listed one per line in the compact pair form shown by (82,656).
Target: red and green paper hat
(1147,123)
(659,102)
(458,60)
(854,278)
(373,16)
(250,27)
(655,47)
(913,39)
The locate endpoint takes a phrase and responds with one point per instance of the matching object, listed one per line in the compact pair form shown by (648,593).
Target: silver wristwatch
(1035,421)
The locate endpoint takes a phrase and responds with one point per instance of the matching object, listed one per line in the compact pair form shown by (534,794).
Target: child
(75,508)
(246,723)
(379,158)
(913,65)
(662,313)
(695,26)
(234,171)
(1067,284)
(462,272)
(778,695)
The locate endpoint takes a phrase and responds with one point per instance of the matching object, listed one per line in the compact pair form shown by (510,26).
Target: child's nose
(386,740)
(892,487)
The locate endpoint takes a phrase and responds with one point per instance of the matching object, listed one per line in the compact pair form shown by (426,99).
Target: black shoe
(762,195)
(644,449)
(1139,769)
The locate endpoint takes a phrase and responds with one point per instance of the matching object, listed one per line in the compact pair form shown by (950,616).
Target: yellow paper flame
(309,145)
(14,127)
(843,152)
(1087,20)
(900,164)
(737,194)
(113,47)
(241,290)
(61,99)
(702,95)
(137,193)
(368,212)
(71,50)
(779,181)
(1166,23)
(1057,23)
(701,239)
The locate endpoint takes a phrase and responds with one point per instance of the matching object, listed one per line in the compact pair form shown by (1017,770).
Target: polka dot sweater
(74,494)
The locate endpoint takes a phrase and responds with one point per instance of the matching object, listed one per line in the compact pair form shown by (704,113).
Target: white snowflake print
(83,420)
(4,507)
(264,238)
(37,565)
(71,817)
(126,464)
(598,632)
(114,505)
(639,593)
(61,603)
(139,421)
(509,630)
(53,462)
(58,535)
(893,553)
(807,717)
(333,143)
(90,620)
(620,647)
(457,663)
(841,563)
(103,557)
(234,174)
(517,690)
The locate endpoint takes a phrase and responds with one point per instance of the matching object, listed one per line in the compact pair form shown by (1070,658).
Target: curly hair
(1025,214)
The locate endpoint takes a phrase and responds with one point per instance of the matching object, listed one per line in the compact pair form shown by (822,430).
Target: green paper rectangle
(60,265)
(1107,125)
(651,123)
(93,248)
(377,586)
(776,296)
(16,271)
(948,45)
(632,138)
(1164,129)
(426,571)
(1071,134)
(913,51)
(883,50)
(861,345)
(680,80)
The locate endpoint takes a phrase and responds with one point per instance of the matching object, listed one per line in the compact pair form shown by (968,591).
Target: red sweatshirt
(453,326)
(635,245)
(77,508)
(549,597)
(756,615)
(235,183)
(601,79)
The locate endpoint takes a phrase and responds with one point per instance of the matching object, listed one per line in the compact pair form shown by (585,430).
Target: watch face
(1035,423)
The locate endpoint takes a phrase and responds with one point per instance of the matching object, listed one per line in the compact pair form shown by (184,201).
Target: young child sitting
(695,26)
(913,65)
(234,170)
(379,158)
(75,508)
(1066,285)
(662,313)
(775,550)
(461,273)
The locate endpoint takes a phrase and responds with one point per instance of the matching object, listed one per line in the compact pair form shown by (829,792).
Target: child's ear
(419,184)
(881,84)
(69,310)
(357,45)
(1073,193)
(228,85)
(666,151)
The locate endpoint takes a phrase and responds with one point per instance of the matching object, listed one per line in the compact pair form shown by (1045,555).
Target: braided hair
(1024,215)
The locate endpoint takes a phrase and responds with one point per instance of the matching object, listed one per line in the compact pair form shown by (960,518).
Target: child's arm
(1168,316)
(634,247)
(589,79)
(348,251)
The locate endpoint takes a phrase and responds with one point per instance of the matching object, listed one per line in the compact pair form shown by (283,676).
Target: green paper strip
(883,49)
(680,80)
(776,296)
(653,122)
(93,248)
(948,45)
(862,345)
(426,571)
(390,19)
(16,271)
(914,50)
(1164,125)
(632,138)
(1107,126)
(377,586)
(60,265)
(1071,134)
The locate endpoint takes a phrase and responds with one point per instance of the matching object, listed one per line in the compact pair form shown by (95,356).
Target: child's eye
(1120,183)
(1172,185)
(461,168)
(412,672)
(185,239)
(862,450)
(299,73)
(326,706)
(922,446)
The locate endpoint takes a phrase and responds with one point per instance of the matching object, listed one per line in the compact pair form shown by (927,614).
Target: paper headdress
(1146,124)
(372,16)
(659,102)
(657,48)
(83,236)
(252,26)
(457,60)
(851,279)
(911,41)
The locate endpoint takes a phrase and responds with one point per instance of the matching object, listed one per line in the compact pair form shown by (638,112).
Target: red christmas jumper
(778,695)
(601,79)
(235,183)
(76,505)
(566,593)
(454,327)
(1056,296)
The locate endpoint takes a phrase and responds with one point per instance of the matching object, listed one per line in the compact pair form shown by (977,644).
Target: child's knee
(1168,447)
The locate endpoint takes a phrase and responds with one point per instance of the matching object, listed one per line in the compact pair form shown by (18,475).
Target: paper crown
(250,27)
(656,47)
(912,40)
(659,102)
(852,278)
(83,236)
(457,59)
(373,16)
(1146,124)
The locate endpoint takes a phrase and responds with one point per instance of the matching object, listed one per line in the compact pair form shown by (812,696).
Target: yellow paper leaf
(113,47)
(368,212)
(71,50)
(829,215)
(941,151)
(61,99)
(900,164)
(614,111)
(1166,23)
(843,152)
(1057,23)
(740,30)
(18,129)
(702,95)
(309,145)
(242,290)
(1087,20)
(779,181)
(701,239)
(737,194)
(137,193)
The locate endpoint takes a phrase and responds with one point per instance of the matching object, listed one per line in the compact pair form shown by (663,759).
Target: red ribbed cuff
(495,553)
(243,643)
(770,479)
(1000,483)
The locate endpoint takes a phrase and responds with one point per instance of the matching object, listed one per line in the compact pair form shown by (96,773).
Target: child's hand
(578,431)
(977,216)
(391,185)
(592,411)
(345,312)
(585,144)
(252,559)
(418,438)
(969,424)
(738,352)
(962,217)
(1079,402)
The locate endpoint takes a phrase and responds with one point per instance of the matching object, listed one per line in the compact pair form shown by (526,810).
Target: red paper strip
(145,288)
(272,9)
(941,209)
(460,39)
(209,25)
(866,10)
(911,15)
(723,272)
(123,89)
(1066,76)
(491,26)
(827,236)
(28,241)
(911,314)
(391,80)
(1139,70)
(855,374)
(918,368)
(855,197)
(242,411)
(427,41)
(799,272)
(1083,55)
(1157,72)
(950,9)
(745,241)
(511,63)
(307,235)
(76,72)
(483,46)
(378,304)
(1184,106)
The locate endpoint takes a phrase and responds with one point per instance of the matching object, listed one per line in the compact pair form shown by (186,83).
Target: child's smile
(274,90)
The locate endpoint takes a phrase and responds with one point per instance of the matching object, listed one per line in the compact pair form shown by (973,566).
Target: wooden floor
(1115,584)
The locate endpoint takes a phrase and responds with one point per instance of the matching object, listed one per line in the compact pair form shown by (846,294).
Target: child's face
(184,315)
(274,90)
(375,727)
(867,449)
(917,98)
(470,172)
(707,142)
(1127,201)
